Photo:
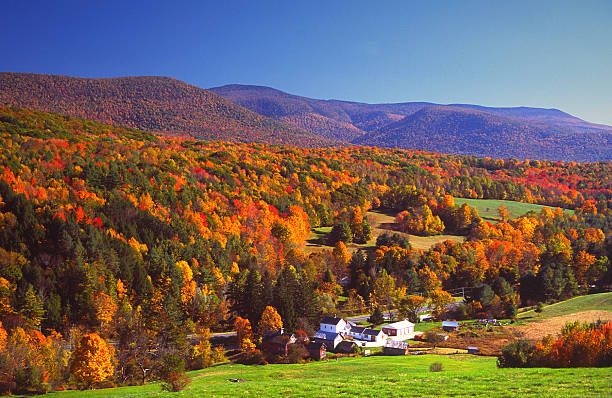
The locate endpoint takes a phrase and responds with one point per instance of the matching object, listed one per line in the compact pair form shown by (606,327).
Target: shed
(473,350)
(317,351)
(393,347)
(450,326)
(373,335)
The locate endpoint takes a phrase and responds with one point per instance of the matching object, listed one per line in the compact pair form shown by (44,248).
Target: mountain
(160,104)
(520,132)
(469,131)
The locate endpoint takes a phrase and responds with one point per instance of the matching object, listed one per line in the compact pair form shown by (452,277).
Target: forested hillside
(469,131)
(145,239)
(159,104)
(519,132)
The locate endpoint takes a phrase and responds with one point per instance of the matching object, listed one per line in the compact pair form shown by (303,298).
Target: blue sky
(551,54)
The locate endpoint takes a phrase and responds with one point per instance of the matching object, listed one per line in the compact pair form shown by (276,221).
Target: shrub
(516,355)
(539,307)
(254,357)
(436,367)
(434,337)
(175,381)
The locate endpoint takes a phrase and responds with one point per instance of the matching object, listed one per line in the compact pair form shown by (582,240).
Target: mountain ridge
(153,103)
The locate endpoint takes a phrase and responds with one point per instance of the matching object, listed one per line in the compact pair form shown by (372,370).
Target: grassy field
(380,223)
(462,375)
(487,208)
(591,302)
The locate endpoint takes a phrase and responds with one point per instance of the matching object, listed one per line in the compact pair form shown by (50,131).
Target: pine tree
(32,308)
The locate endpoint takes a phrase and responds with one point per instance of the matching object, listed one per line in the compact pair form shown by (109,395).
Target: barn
(317,351)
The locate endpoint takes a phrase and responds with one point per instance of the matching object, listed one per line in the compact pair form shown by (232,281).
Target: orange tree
(92,360)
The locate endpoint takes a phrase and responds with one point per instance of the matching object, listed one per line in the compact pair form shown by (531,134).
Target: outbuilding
(450,326)
(399,329)
(317,351)
(393,347)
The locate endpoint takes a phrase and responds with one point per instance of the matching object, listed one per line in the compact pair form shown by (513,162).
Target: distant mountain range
(159,104)
(519,132)
(262,114)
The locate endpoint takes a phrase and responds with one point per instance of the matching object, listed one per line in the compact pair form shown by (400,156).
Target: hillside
(520,132)
(145,239)
(474,132)
(160,104)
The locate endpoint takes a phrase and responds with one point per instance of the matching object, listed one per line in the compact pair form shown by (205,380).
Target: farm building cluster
(340,336)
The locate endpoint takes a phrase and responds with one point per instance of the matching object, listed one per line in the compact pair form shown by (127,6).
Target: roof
(452,324)
(358,329)
(330,320)
(399,325)
(396,344)
(345,346)
(326,335)
(372,332)
(473,348)
(315,346)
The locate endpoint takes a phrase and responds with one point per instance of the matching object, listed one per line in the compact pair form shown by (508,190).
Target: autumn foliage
(92,359)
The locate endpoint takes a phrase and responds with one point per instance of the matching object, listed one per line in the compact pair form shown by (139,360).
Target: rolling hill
(160,104)
(520,132)
(468,131)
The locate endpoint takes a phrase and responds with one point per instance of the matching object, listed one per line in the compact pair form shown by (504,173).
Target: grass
(599,301)
(487,208)
(381,223)
(462,375)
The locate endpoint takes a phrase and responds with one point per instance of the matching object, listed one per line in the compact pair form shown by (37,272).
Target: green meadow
(591,302)
(487,208)
(462,375)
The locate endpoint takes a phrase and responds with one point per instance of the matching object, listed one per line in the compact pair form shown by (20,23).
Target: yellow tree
(503,212)
(270,321)
(439,300)
(243,330)
(92,360)
(409,306)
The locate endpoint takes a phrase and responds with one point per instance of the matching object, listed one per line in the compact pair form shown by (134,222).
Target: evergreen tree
(377,316)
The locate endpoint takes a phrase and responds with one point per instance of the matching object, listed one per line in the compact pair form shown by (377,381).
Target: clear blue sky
(553,54)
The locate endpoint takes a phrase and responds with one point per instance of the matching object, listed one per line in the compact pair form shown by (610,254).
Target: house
(374,335)
(334,325)
(399,329)
(330,339)
(393,347)
(357,332)
(450,326)
(317,351)
(346,347)
(473,350)
(277,343)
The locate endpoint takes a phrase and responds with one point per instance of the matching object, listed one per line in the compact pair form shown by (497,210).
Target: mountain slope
(521,132)
(150,103)
(469,131)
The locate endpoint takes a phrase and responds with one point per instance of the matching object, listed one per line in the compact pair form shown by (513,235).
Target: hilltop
(465,129)
(152,103)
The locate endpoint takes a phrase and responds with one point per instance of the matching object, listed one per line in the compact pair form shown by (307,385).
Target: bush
(516,355)
(434,337)
(175,381)
(539,307)
(435,367)
(254,357)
